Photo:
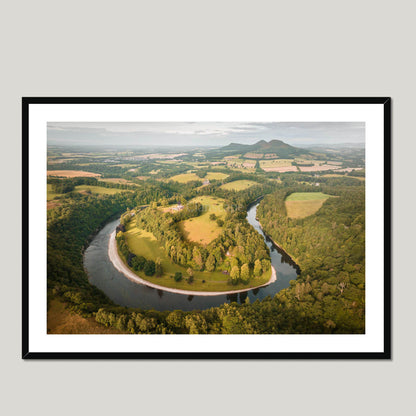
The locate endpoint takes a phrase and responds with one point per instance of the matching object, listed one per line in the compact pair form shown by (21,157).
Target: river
(124,292)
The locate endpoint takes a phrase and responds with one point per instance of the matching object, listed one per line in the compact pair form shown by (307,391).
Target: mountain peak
(275,146)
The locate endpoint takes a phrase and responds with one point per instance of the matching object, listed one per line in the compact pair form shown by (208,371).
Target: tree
(147,324)
(149,268)
(342,286)
(257,268)
(234,261)
(196,323)
(158,267)
(121,323)
(258,167)
(131,327)
(175,319)
(235,274)
(325,288)
(265,265)
(138,262)
(220,222)
(245,272)
(130,257)
(197,258)
(190,273)
(210,263)
(178,276)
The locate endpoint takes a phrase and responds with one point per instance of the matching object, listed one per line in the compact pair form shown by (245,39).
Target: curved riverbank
(281,249)
(119,264)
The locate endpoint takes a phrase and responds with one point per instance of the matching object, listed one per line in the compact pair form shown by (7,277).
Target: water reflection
(243,296)
(232,297)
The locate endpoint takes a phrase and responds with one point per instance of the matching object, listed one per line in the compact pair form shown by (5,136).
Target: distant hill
(262,150)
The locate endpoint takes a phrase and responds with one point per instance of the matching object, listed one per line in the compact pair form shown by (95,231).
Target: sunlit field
(238,185)
(202,229)
(303,204)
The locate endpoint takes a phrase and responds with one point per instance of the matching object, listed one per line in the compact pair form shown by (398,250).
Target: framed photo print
(206,228)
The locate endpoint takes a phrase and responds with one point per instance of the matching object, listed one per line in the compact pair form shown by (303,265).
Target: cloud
(203,133)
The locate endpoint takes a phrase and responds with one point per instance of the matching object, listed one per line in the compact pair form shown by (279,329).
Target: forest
(327,297)
(329,247)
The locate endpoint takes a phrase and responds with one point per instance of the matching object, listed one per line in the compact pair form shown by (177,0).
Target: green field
(143,243)
(307,196)
(238,185)
(96,190)
(275,163)
(334,175)
(61,320)
(241,165)
(303,204)
(99,190)
(188,177)
(202,229)
(216,176)
(185,177)
(50,194)
(119,180)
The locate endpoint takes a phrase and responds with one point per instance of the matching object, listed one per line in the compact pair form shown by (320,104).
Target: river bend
(124,292)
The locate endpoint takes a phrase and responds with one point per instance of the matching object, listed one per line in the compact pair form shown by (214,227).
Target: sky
(203,133)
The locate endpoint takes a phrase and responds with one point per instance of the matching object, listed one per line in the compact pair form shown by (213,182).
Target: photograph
(206,228)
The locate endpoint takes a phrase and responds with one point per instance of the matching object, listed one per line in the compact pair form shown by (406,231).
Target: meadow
(61,320)
(304,204)
(119,180)
(50,193)
(216,176)
(239,185)
(334,175)
(96,190)
(202,229)
(275,163)
(99,190)
(241,165)
(72,173)
(185,178)
(253,155)
(189,177)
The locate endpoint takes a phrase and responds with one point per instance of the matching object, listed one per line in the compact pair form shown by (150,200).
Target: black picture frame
(384,101)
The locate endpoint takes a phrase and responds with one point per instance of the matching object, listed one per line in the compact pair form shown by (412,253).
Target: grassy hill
(239,185)
(188,177)
(202,229)
(273,149)
(303,204)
